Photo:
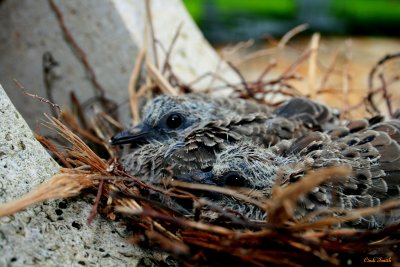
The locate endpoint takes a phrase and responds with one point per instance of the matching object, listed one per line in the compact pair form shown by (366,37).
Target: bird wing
(199,148)
(373,153)
(312,114)
(203,143)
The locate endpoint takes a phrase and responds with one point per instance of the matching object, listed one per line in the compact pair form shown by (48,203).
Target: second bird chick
(373,154)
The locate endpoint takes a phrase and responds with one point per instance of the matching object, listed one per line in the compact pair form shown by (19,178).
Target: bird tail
(372,151)
(379,179)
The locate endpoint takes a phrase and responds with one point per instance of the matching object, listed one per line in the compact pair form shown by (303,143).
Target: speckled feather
(372,152)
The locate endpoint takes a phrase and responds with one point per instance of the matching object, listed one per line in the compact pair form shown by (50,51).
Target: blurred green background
(235,20)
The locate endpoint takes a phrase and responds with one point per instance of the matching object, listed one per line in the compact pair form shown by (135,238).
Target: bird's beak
(139,134)
(198,177)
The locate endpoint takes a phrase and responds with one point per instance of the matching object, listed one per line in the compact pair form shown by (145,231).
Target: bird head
(239,165)
(168,117)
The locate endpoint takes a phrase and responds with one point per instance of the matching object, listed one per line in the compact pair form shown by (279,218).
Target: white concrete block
(54,233)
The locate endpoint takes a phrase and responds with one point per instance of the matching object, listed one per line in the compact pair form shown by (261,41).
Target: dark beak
(199,177)
(140,134)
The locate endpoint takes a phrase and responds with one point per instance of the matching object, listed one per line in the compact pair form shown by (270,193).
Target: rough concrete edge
(54,233)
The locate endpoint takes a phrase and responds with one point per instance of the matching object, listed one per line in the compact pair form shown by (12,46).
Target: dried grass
(62,185)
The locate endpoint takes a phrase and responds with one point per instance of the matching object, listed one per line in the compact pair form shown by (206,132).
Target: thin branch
(377,66)
(371,91)
(293,67)
(279,46)
(78,51)
(329,71)
(96,203)
(69,119)
(272,64)
(49,76)
(351,215)
(386,95)
(179,221)
(346,77)
(218,189)
(243,80)
(170,48)
(53,149)
(312,64)
(284,200)
(133,96)
(41,99)
(214,75)
(81,115)
(160,80)
(290,34)
(149,17)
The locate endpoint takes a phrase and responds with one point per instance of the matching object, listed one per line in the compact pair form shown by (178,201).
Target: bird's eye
(174,121)
(234,179)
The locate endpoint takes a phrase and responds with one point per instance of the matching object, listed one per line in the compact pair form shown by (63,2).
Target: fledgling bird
(168,117)
(373,153)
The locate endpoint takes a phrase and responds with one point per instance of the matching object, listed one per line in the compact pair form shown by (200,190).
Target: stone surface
(110,33)
(54,233)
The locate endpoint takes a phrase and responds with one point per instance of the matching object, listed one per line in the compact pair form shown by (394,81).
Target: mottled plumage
(314,115)
(373,153)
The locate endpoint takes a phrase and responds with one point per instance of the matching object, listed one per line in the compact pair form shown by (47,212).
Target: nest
(91,167)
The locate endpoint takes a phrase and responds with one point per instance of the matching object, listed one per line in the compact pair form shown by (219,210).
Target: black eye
(234,179)
(174,121)
(207,169)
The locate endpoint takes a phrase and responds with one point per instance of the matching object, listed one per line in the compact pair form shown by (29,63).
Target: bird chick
(373,154)
(168,117)
(171,117)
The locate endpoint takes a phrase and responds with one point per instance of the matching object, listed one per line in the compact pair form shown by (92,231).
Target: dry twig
(79,52)
(133,95)
(41,99)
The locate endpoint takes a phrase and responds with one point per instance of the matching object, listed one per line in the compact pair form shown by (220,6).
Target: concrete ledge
(55,233)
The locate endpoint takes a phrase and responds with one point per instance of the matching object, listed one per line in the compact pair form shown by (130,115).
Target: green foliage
(367,11)
(281,8)
(195,8)
(262,8)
